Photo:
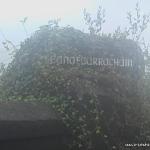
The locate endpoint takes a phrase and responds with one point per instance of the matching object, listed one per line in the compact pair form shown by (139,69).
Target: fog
(81,83)
(70,11)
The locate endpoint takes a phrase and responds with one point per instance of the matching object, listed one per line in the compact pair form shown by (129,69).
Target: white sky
(70,12)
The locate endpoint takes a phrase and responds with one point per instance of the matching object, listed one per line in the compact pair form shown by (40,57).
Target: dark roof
(22,111)
(20,120)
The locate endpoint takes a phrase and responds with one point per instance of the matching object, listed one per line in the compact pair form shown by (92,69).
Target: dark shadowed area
(29,126)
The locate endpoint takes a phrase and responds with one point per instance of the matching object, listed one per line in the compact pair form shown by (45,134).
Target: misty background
(69,11)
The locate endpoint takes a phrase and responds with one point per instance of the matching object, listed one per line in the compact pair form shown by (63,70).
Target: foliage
(23,22)
(138,23)
(104,106)
(93,102)
(95,25)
